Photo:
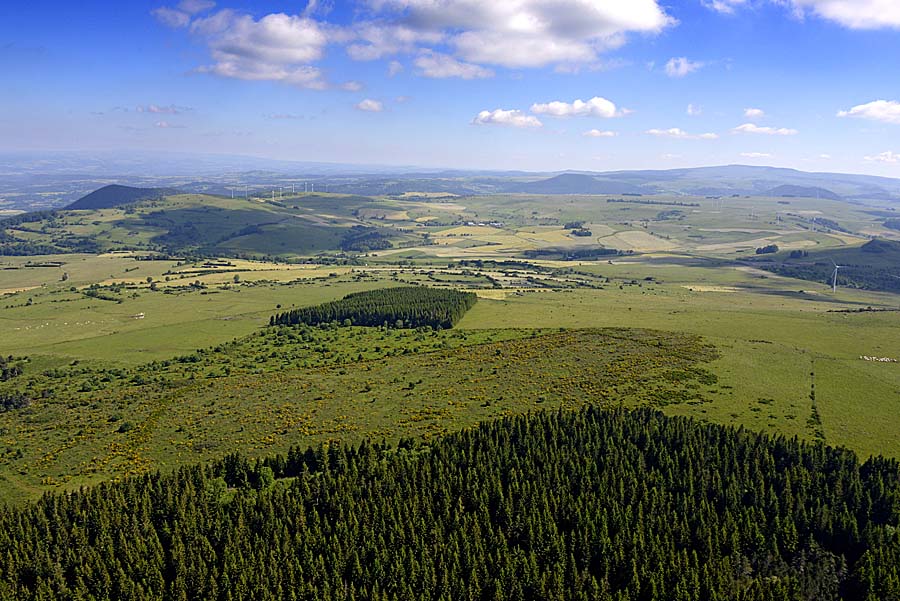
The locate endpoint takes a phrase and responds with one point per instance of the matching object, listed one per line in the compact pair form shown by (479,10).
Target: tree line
(402,307)
(600,505)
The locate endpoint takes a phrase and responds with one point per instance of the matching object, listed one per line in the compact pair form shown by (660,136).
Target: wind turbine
(834,277)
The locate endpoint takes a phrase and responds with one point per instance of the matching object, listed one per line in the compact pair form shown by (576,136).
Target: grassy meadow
(681,320)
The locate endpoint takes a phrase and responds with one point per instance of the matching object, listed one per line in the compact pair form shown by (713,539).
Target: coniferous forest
(408,306)
(589,505)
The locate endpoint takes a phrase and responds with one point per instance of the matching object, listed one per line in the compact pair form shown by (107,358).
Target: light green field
(769,342)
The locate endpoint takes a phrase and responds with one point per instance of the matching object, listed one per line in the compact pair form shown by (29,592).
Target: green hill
(158,220)
(115,195)
(873,266)
(792,191)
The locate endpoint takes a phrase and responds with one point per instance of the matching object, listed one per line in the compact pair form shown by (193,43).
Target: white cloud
(370,106)
(525,33)
(599,133)
(752,113)
(885,157)
(352,86)
(394,68)
(681,66)
(694,110)
(824,156)
(756,155)
(278,47)
(595,107)
(724,6)
(448,38)
(440,66)
(181,16)
(167,125)
(377,40)
(171,17)
(163,110)
(887,111)
(854,14)
(511,118)
(750,128)
(680,134)
(193,7)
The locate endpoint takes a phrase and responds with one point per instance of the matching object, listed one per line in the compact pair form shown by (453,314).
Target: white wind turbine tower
(834,277)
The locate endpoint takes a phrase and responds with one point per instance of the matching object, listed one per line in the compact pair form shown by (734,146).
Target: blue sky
(507,84)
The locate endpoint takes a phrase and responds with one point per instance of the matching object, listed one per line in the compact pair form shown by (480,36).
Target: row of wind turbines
(307,188)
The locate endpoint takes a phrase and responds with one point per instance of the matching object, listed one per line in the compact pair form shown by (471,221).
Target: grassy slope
(272,391)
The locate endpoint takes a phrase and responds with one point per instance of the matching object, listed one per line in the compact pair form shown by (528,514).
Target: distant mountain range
(32,182)
(719,181)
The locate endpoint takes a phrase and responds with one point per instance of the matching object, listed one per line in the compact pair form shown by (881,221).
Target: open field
(107,327)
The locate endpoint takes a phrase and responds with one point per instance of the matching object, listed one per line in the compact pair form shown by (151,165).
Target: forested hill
(593,505)
(115,195)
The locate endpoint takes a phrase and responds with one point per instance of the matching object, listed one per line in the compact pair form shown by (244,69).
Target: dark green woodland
(588,505)
(409,306)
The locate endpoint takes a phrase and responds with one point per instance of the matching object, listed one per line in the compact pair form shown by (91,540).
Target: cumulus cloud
(887,111)
(854,14)
(377,40)
(599,133)
(509,118)
(681,66)
(447,38)
(680,134)
(752,113)
(520,33)
(440,66)
(756,155)
(750,128)
(394,68)
(277,47)
(694,110)
(595,107)
(370,106)
(884,157)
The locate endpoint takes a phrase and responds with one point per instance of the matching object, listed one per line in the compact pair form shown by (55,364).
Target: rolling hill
(791,191)
(873,266)
(114,195)
(577,183)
